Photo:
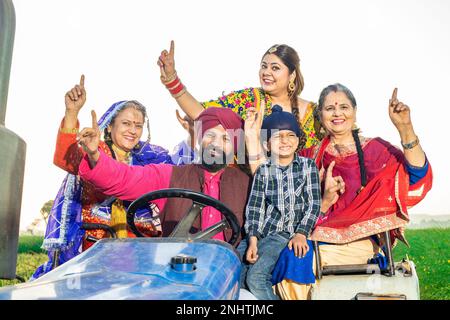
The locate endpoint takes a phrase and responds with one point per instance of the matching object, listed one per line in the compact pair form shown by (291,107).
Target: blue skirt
(292,268)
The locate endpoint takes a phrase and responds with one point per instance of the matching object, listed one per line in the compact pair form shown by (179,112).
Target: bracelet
(173,84)
(411,145)
(183,91)
(69,130)
(177,89)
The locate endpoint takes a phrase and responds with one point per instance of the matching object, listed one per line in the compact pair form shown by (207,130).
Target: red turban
(229,120)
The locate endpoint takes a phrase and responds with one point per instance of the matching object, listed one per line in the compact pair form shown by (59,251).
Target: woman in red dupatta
(368,187)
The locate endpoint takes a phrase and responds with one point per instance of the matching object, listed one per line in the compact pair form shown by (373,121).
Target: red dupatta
(381,205)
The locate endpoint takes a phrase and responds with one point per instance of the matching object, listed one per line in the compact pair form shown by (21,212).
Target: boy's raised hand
(253,120)
(252,131)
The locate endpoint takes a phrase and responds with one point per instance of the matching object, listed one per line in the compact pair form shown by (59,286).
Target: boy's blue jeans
(257,277)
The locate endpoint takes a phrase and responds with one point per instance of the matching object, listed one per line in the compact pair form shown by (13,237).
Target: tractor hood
(140,268)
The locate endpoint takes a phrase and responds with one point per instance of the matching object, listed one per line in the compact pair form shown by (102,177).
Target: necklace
(342,144)
(342,149)
(121,155)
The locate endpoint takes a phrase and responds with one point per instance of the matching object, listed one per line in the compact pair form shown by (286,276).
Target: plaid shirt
(284,199)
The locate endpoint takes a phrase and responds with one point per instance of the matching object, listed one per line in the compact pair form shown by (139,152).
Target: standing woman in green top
(281,84)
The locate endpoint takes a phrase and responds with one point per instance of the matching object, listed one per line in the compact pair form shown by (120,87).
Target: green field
(30,257)
(429,250)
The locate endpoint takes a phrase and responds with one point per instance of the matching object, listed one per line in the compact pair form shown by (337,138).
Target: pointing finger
(172,48)
(394,94)
(82,81)
(94,120)
(330,170)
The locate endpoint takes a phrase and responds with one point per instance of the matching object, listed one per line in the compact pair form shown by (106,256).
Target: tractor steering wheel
(181,230)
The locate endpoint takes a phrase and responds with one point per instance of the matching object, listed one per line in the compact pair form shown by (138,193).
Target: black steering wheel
(181,230)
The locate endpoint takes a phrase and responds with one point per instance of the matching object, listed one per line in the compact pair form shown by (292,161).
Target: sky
(369,46)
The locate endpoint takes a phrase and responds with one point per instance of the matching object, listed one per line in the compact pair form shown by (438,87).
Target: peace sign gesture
(166,63)
(399,112)
(76,97)
(89,138)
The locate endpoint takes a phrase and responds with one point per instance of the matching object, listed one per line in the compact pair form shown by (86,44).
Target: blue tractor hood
(141,268)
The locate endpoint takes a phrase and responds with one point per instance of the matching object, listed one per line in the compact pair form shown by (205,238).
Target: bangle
(173,84)
(183,91)
(177,89)
(411,145)
(69,130)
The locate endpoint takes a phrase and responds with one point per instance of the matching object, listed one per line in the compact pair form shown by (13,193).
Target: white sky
(369,46)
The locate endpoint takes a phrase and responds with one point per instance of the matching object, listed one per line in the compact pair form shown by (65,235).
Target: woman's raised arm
(400,115)
(169,78)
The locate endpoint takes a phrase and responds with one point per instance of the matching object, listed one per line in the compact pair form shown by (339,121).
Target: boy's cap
(280,120)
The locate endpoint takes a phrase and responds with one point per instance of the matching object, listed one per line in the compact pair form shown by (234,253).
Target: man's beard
(214,163)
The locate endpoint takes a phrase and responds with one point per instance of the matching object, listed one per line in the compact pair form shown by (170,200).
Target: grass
(429,251)
(29,258)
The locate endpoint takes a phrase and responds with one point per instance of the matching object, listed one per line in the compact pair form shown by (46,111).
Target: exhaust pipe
(12,153)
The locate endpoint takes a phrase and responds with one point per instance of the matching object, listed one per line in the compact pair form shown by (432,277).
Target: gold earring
(291,86)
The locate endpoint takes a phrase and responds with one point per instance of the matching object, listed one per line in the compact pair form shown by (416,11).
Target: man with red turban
(221,130)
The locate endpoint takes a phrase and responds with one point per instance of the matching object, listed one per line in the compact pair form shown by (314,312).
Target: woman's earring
(291,86)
